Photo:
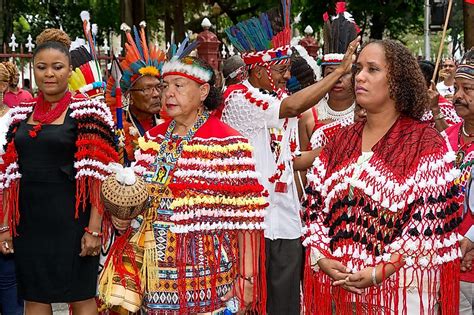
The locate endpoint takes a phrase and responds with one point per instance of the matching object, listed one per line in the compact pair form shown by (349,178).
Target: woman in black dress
(63,143)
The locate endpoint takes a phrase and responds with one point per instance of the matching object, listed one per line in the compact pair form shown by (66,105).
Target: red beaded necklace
(43,113)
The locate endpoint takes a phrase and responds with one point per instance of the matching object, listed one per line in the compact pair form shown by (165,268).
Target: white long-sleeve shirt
(260,125)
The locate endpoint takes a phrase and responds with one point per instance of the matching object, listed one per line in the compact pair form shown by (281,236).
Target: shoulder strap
(315,116)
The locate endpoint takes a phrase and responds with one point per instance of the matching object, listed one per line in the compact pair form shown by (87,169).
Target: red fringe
(88,189)
(10,194)
(316,290)
(205,155)
(181,270)
(259,292)
(94,154)
(319,296)
(107,228)
(98,143)
(227,188)
(122,248)
(449,288)
(11,207)
(259,298)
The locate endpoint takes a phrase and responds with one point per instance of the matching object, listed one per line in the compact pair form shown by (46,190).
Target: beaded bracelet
(96,234)
(4,228)
(374,278)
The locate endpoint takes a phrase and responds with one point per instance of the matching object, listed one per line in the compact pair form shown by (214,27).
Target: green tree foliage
(25,17)
(375,18)
(392,18)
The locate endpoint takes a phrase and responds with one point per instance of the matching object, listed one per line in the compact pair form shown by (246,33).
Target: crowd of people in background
(279,185)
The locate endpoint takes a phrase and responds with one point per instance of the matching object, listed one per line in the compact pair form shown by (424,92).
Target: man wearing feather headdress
(134,91)
(459,137)
(261,110)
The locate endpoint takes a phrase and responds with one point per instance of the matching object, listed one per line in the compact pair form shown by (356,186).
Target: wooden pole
(468,12)
(441,45)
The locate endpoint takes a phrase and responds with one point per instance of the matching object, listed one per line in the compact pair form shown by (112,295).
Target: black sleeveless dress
(49,269)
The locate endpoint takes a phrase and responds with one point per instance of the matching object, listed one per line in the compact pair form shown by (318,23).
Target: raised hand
(349,56)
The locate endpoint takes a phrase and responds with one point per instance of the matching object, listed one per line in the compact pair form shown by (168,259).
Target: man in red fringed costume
(460,139)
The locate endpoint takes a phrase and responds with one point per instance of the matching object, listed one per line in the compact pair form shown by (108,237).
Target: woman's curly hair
(405,80)
(12,70)
(4,73)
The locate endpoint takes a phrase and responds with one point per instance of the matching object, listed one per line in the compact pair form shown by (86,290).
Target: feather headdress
(141,59)
(263,39)
(181,64)
(304,70)
(338,32)
(86,77)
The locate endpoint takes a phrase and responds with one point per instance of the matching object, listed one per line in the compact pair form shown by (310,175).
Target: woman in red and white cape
(383,210)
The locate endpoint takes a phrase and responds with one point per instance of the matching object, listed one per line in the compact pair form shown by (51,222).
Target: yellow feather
(77,80)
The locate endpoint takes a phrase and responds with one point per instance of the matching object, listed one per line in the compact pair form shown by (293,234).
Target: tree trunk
(178,21)
(468,25)
(3,24)
(378,26)
(6,22)
(126,12)
(138,11)
(168,20)
(132,12)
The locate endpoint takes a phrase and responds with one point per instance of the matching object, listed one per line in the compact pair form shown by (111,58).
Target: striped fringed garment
(95,150)
(400,201)
(190,238)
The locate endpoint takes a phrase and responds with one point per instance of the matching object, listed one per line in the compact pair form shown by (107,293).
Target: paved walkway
(60,309)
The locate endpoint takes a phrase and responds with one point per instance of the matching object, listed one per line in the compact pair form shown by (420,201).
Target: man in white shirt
(446,87)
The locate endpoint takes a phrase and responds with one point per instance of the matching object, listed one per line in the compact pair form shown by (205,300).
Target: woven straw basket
(123,201)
